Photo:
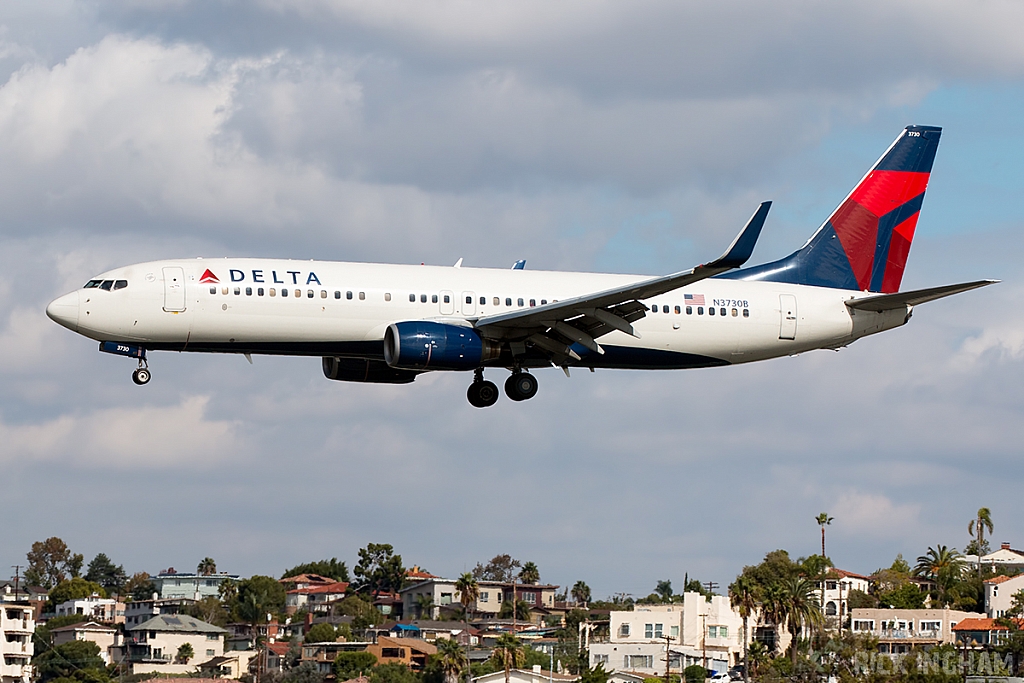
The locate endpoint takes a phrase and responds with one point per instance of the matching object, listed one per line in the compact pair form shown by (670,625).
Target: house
(412,652)
(1005,558)
(322,655)
(428,630)
(315,597)
(304,581)
(982,631)
(17,624)
(277,652)
(999,592)
(105,610)
(491,595)
(837,586)
(899,630)
(104,636)
(534,675)
(172,584)
(35,596)
(138,611)
(695,631)
(152,646)
(230,665)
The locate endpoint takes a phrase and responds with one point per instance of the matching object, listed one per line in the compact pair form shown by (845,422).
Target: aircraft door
(447,303)
(468,303)
(174,289)
(787,309)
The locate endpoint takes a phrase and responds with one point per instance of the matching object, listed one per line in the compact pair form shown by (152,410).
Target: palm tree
(743,597)
(942,565)
(976,528)
(801,609)
(508,653)
(207,567)
(522,610)
(425,606)
(453,659)
(823,520)
(469,590)
(529,573)
(581,593)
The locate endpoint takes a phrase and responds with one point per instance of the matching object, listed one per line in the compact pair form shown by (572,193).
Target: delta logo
(209,277)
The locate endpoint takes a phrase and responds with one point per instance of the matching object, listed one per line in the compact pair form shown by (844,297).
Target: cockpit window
(93,284)
(120,284)
(107,284)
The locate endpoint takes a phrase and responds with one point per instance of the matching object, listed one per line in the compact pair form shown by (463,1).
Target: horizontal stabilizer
(888,302)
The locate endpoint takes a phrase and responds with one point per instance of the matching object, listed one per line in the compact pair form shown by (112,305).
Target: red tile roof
(999,579)
(843,574)
(307,578)
(338,587)
(974,624)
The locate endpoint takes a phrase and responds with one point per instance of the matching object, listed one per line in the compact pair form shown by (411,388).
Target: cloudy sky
(607,136)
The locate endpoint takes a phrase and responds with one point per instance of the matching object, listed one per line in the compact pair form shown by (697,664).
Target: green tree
(801,608)
(210,610)
(976,528)
(185,653)
(944,566)
(469,590)
(321,633)
(50,562)
(264,593)
(1016,604)
(140,586)
(695,673)
(452,658)
(349,665)
(73,589)
(858,599)
(331,569)
(379,570)
(392,673)
(107,574)
(529,573)
(823,521)
(907,596)
(522,610)
(499,568)
(303,672)
(78,660)
(424,606)
(508,653)
(743,597)
(362,611)
(664,590)
(206,567)
(595,675)
(581,593)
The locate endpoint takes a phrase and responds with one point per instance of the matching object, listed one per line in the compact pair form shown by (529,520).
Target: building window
(623,630)
(930,625)
(211,653)
(446,598)
(723,631)
(712,631)
(484,596)
(863,625)
(639,661)
(530,598)
(673,631)
(600,659)
(648,630)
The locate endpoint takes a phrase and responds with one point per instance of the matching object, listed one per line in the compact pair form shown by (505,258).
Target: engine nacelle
(425,345)
(362,370)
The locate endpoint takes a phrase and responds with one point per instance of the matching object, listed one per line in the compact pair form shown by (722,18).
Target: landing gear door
(174,289)
(468,302)
(787,309)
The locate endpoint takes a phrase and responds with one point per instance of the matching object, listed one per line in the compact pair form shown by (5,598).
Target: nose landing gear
(520,386)
(481,393)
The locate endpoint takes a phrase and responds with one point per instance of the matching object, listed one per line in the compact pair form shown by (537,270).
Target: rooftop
(179,623)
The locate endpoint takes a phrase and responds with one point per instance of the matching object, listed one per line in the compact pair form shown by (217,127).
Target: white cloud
(875,516)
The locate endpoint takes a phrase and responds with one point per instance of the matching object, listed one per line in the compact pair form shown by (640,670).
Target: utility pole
(17,578)
(711,586)
(704,639)
(668,659)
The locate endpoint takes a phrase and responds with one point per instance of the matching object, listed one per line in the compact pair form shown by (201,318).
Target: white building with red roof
(999,592)
(315,597)
(838,584)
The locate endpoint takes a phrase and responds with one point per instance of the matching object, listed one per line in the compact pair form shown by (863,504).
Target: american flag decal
(694,299)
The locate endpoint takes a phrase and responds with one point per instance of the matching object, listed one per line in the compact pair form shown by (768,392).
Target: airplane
(386,323)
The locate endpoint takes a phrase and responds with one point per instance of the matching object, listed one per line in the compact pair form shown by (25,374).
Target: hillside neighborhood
(383,622)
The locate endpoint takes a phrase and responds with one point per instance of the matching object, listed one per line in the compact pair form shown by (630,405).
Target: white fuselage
(327,308)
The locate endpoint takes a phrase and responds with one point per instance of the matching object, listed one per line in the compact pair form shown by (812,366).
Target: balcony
(907,634)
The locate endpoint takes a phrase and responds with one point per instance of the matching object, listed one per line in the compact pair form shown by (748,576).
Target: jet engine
(425,345)
(363,370)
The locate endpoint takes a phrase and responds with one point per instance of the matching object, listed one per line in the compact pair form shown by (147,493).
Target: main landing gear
(141,375)
(520,386)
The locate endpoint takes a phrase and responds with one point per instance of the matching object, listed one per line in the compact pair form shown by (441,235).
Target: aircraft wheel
(521,386)
(141,376)
(482,394)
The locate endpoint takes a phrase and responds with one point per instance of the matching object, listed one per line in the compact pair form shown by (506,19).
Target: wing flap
(888,302)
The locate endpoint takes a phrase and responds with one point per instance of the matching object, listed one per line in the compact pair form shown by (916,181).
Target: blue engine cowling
(425,345)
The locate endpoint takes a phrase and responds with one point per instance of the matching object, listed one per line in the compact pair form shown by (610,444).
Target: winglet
(743,246)
(519,265)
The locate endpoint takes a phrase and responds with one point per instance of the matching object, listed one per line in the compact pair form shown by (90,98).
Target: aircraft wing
(886,302)
(556,326)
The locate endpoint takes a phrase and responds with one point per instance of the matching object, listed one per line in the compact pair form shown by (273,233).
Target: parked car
(722,677)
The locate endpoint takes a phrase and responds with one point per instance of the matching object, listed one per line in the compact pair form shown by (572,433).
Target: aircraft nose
(64,311)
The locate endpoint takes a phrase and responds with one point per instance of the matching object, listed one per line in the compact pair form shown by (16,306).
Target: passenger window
(298,293)
(213,290)
(483,301)
(469,299)
(107,284)
(323,293)
(309,293)
(348,295)
(284,292)
(362,296)
(508,301)
(734,312)
(664,309)
(238,290)
(721,311)
(259,292)
(433,299)
(689,310)
(533,302)
(412,298)
(423,298)
(746,312)
(273,292)
(654,309)
(678,310)
(497,301)
(543,302)
(337,294)
(520,301)
(700,310)
(223,290)
(120,284)
(711,311)
(387,296)
(248,291)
